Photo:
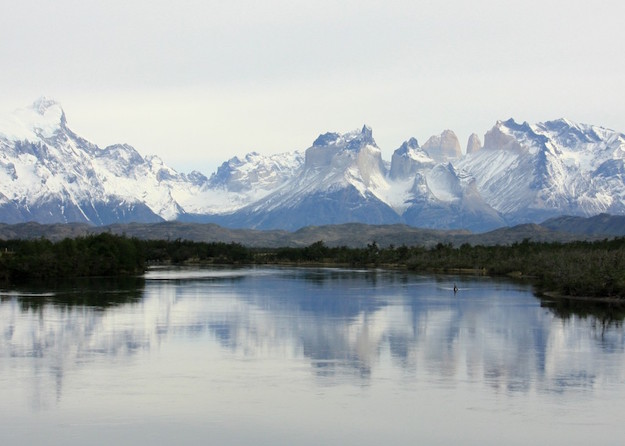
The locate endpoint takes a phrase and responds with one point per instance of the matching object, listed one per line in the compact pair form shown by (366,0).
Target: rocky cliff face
(443,147)
(474,144)
(408,160)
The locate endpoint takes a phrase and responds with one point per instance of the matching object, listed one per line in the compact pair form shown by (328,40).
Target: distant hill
(599,225)
(561,229)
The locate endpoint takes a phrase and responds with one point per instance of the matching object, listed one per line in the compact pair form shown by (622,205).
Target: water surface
(304,356)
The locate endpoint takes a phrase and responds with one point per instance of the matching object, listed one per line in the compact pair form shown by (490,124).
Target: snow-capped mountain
(533,172)
(522,173)
(342,179)
(241,181)
(50,174)
(435,194)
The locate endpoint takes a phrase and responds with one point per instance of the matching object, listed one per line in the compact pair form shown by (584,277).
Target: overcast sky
(197,82)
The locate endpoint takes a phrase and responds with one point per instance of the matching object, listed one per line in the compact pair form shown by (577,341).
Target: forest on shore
(581,269)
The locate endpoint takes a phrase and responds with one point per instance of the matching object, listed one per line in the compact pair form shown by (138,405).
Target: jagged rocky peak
(124,153)
(356,140)
(474,144)
(443,147)
(512,136)
(328,145)
(500,137)
(254,171)
(365,135)
(196,178)
(408,159)
(228,171)
(408,146)
(326,139)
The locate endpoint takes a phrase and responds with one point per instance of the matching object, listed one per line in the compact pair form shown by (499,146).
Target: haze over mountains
(522,173)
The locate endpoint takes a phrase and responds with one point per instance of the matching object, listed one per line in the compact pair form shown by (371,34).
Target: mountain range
(521,173)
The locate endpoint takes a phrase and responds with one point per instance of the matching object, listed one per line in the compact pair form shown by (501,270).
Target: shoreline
(552,296)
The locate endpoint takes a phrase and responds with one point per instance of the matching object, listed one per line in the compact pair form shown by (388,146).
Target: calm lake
(279,356)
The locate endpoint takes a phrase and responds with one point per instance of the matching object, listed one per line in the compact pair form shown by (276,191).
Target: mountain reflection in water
(349,327)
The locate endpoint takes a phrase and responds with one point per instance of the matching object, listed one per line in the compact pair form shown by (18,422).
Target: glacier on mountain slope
(522,173)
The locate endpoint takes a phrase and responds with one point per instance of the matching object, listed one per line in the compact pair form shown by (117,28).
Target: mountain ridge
(522,173)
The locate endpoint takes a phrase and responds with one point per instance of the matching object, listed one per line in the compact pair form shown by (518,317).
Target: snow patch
(41,120)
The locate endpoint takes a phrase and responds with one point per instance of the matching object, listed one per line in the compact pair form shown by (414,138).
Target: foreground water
(301,356)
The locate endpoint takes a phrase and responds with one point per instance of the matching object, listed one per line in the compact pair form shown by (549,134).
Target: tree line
(97,255)
(573,269)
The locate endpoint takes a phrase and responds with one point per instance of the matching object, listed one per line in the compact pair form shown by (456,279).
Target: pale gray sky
(198,81)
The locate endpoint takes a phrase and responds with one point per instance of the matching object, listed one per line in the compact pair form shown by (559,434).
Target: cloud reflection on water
(348,325)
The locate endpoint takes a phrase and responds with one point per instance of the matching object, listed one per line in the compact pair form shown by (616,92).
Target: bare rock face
(500,138)
(474,144)
(443,147)
(408,159)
